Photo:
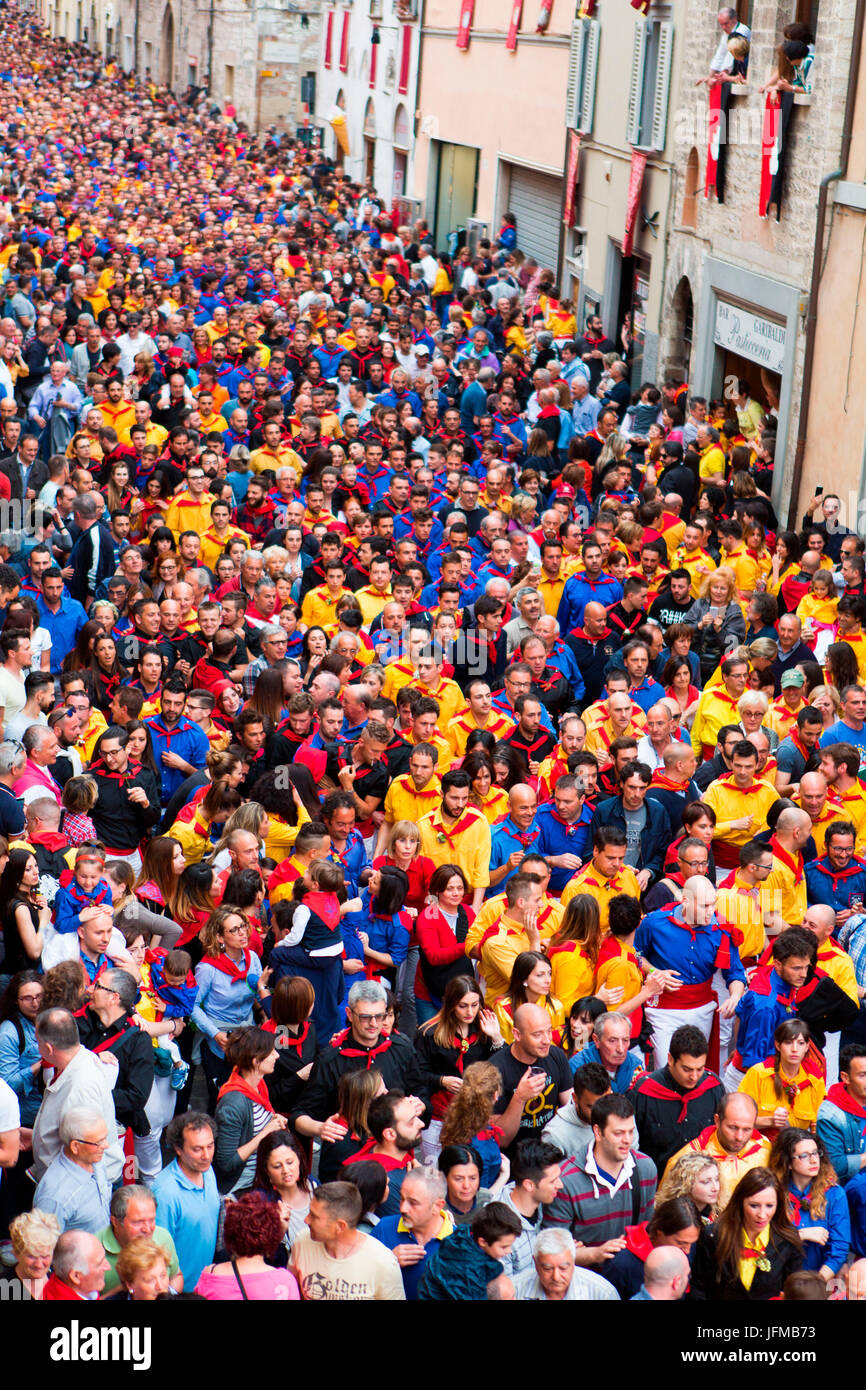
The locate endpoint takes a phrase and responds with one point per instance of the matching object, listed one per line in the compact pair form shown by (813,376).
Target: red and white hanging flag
(464,28)
(714,132)
(635,184)
(544,16)
(516,15)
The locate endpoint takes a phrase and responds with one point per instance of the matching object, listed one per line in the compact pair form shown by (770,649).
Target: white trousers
(731,1077)
(665,1022)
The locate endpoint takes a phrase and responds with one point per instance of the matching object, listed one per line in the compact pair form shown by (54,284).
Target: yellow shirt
(596,714)
(590,880)
(443,752)
(212,545)
(466,844)
(283,891)
(154,434)
(405,802)
(549,919)
(746,1266)
(839,966)
(448,696)
(372,602)
(802,1112)
(551,591)
(712,462)
(857,642)
(317,609)
(785,889)
(619,972)
(715,708)
(462,725)
(745,568)
(819,610)
(96,725)
(503,1009)
(572,973)
(781,718)
(730,803)
(495,805)
(186,514)
(829,814)
(599,739)
(498,955)
(281,457)
(732,1167)
(743,906)
(397,674)
(852,807)
(697,562)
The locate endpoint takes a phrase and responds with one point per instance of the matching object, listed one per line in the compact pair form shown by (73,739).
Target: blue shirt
(223,1003)
(505,840)
(187,740)
(390,1234)
(579,591)
(190,1214)
(669,944)
(648,693)
(16,1066)
(64,626)
(835,1220)
(760,1011)
(836,889)
(558,838)
(79,1199)
(353,859)
(625,1073)
(840,732)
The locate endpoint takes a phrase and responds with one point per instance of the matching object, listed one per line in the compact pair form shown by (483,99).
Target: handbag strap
(244,1295)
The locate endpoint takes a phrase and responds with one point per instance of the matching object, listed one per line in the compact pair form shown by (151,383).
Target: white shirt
(12,693)
(85,1082)
(723,61)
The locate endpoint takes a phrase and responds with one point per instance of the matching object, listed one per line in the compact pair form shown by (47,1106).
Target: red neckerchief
(461,825)
(369,1151)
(805,753)
(787,859)
(656,1091)
(838,1096)
(462,1046)
(661,779)
(585,637)
(227,966)
(823,866)
(51,840)
(491,1132)
(373,1052)
(728,779)
(285,1040)
(326,906)
(517,741)
(637,1241)
(257,1094)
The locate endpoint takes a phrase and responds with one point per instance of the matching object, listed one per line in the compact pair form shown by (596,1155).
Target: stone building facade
(260,57)
(736,292)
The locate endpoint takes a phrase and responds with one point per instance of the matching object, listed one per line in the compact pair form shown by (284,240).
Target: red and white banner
(571,177)
(544,16)
(465,26)
(635,184)
(714,131)
(516,15)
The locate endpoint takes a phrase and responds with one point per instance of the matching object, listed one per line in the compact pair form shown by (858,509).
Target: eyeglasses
(105,989)
(94,1143)
(369,1018)
(810,1153)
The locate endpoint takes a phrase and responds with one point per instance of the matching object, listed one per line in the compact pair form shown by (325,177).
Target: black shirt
(539,1110)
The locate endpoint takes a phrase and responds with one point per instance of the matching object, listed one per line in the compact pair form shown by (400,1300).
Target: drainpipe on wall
(135,36)
(817,254)
(210,19)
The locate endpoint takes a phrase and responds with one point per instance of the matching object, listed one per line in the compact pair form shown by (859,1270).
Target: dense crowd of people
(430,778)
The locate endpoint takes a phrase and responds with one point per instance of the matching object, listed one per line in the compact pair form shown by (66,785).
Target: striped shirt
(593,1210)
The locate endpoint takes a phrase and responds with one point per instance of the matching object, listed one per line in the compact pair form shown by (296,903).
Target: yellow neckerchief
(746,1267)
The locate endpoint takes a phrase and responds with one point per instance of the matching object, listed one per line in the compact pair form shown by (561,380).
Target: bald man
(514,837)
(666,1274)
(686,944)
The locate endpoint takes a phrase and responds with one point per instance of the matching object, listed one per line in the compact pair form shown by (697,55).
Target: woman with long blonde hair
(694,1175)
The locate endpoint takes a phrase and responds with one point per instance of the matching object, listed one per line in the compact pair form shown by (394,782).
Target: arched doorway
(401,151)
(167,48)
(682,330)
